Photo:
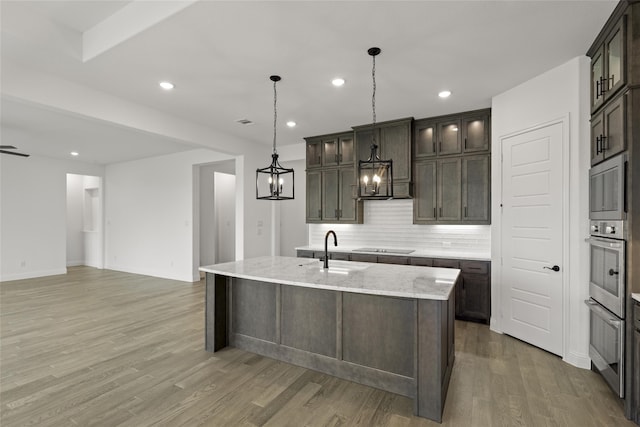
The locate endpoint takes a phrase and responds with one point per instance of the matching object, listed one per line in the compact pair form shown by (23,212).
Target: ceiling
(83,75)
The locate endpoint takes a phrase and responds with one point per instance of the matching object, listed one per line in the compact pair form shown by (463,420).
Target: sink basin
(344,267)
(385,251)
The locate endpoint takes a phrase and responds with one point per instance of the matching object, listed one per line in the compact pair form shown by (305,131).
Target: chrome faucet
(326,251)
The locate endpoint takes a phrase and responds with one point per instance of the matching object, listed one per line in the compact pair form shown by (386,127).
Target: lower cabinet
(635,365)
(473,292)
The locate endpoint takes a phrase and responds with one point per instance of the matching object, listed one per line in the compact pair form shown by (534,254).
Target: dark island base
(400,345)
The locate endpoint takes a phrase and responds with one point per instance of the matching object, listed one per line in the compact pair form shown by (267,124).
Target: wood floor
(98,347)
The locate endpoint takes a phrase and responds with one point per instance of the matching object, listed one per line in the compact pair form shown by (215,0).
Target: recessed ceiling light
(444,94)
(291,123)
(166,85)
(74,153)
(338,81)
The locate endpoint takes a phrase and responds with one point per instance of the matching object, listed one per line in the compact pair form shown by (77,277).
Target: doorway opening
(84,221)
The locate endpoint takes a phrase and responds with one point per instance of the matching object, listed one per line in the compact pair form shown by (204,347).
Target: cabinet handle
(337,158)
(598,144)
(603,89)
(440,211)
(598,89)
(335,213)
(340,158)
(465,212)
(434,146)
(440,149)
(319,213)
(434,212)
(465,143)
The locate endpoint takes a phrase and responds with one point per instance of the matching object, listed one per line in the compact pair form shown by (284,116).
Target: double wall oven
(607,270)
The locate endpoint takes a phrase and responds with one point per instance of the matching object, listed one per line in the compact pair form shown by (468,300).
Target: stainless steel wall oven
(607,300)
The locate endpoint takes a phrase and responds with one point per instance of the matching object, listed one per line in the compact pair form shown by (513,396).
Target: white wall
(225,216)
(149,217)
(33,214)
(292,228)
(553,95)
(75,236)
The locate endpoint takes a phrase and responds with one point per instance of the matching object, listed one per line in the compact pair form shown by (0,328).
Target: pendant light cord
(275,116)
(373,99)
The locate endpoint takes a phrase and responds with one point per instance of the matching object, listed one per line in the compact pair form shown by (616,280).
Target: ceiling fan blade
(14,153)
(7,147)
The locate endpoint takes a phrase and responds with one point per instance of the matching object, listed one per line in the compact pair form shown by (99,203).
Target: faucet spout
(326,251)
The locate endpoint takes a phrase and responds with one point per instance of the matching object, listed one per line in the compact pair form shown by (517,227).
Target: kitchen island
(385,326)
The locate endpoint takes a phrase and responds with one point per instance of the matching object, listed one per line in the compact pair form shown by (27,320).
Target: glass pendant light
(274,182)
(375,177)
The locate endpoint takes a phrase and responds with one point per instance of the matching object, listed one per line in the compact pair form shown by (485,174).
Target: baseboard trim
(32,274)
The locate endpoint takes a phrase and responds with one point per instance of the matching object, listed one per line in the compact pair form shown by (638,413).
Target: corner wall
(33,214)
(557,93)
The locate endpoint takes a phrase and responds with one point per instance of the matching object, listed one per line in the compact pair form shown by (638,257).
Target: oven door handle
(602,313)
(604,243)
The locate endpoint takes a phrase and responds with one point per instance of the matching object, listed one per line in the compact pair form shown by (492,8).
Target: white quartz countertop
(453,253)
(367,278)
(635,296)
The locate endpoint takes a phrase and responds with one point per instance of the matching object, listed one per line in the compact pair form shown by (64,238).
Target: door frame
(496,323)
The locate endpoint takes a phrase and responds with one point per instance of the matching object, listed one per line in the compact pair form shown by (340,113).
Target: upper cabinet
(608,65)
(452,135)
(331,180)
(451,156)
(608,130)
(393,139)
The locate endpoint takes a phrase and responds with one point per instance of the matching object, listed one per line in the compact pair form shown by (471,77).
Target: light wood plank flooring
(98,347)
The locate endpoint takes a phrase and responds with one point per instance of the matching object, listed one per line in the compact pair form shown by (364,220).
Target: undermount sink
(344,267)
(385,251)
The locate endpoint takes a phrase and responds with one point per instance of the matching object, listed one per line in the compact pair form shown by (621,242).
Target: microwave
(607,189)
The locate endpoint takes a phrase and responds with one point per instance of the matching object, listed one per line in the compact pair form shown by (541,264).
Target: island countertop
(366,278)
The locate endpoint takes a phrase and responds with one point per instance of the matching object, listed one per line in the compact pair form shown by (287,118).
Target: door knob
(554,268)
(612,272)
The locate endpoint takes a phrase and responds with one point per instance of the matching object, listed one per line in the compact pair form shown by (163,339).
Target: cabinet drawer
(446,263)
(636,315)
(340,256)
(423,262)
(474,267)
(305,254)
(364,257)
(390,259)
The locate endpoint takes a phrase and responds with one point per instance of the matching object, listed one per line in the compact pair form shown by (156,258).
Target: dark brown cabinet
(449,139)
(608,66)
(331,180)
(476,189)
(393,139)
(475,133)
(608,136)
(452,135)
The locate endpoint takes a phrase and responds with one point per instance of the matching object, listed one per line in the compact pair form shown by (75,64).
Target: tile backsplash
(389,224)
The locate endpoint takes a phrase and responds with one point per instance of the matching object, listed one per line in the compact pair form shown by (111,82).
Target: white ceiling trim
(127,22)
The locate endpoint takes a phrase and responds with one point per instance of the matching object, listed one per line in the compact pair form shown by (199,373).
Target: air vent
(244,121)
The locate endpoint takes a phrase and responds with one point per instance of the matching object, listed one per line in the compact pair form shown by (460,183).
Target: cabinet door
(597,78)
(346,152)
(363,143)
(614,127)
(424,202)
(475,189)
(475,133)
(314,153)
(330,152)
(475,297)
(330,195)
(449,187)
(449,137)
(446,263)
(396,145)
(424,143)
(347,195)
(614,49)
(597,135)
(314,196)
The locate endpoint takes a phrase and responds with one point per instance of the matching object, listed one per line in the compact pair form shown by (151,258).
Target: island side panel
(308,320)
(379,332)
(254,309)
(435,356)
(216,332)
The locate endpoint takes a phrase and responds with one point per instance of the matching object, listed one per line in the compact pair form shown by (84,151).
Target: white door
(532,236)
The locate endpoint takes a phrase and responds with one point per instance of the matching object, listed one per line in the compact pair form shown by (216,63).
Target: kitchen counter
(635,296)
(455,253)
(384,326)
(347,276)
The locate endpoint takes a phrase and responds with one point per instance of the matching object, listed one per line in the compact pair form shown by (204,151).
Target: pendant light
(274,182)
(375,177)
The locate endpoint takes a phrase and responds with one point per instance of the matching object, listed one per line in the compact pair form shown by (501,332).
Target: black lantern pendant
(375,176)
(274,182)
